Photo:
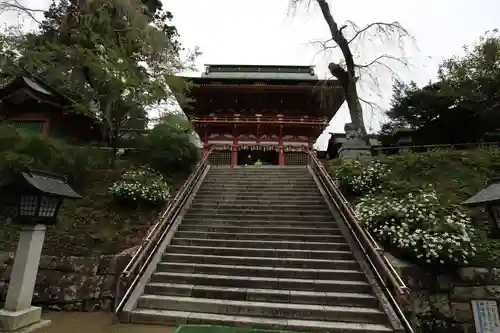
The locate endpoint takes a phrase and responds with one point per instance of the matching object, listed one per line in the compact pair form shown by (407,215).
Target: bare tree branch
(348,71)
(15,6)
(381,28)
(378,59)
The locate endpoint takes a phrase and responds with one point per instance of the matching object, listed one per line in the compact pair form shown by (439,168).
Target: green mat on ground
(222,329)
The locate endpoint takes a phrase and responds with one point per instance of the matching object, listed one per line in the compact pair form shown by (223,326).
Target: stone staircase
(259,247)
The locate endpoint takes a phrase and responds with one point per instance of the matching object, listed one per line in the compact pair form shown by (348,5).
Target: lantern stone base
(23,321)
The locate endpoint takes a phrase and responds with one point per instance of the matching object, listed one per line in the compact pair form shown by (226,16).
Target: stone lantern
(489,197)
(41,196)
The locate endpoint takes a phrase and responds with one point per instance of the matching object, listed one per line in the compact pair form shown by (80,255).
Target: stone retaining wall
(71,283)
(444,301)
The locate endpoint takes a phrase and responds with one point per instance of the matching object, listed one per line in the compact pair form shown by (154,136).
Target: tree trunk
(355,110)
(346,77)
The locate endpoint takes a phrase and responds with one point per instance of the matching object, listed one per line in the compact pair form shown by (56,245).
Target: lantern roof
(49,183)
(490,194)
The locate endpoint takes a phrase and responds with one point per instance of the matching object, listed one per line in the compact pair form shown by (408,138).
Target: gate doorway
(269,157)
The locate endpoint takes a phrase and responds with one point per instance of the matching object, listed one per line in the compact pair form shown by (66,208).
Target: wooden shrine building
(30,104)
(272,113)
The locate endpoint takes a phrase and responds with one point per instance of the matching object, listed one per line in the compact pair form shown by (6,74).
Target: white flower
(144,185)
(415,225)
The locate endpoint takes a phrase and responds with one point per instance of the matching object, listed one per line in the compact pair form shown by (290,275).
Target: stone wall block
(467,293)
(107,265)
(421,303)
(81,265)
(69,283)
(113,264)
(5,272)
(441,303)
(450,293)
(462,312)
(79,287)
(108,286)
(479,275)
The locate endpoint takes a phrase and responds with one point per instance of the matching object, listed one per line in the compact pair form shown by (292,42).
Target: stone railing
(443,301)
(71,283)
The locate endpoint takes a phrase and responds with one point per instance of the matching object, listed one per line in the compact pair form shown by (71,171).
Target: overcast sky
(265,32)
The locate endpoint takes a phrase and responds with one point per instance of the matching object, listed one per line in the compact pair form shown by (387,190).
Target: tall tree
(113,57)
(461,107)
(348,71)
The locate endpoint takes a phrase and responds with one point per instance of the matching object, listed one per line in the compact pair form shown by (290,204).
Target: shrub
(357,178)
(168,148)
(20,149)
(419,228)
(141,186)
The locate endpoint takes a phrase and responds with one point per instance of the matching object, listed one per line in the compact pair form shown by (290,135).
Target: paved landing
(95,322)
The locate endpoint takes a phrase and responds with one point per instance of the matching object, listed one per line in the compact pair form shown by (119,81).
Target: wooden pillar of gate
(281,159)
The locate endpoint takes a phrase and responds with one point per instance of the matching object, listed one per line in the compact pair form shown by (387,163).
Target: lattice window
(220,157)
(296,158)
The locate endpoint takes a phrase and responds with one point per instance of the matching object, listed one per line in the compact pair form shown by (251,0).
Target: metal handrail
(384,271)
(149,245)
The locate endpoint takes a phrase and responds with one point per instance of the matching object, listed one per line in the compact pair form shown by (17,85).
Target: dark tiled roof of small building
(489,194)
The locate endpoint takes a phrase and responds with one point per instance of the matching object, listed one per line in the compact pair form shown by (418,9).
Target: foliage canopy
(461,107)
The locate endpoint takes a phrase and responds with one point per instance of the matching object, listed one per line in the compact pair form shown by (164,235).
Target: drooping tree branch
(348,71)
(381,28)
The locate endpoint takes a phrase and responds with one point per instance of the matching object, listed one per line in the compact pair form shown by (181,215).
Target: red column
(234,158)
(281,160)
(46,127)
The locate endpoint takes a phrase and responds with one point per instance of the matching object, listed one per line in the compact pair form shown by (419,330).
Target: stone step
(262,167)
(254,252)
(265,295)
(258,192)
(173,318)
(258,176)
(297,202)
(260,230)
(255,171)
(268,179)
(279,272)
(243,204)
(258,216)
(270,182)
(261,244)
(262,236)
(277,177)
(254,223)
(258,186)
(349,264)
(265,197)
(262,210)
(263,309)
(262,282)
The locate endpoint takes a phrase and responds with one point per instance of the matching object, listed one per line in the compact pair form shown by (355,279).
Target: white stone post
(18,315)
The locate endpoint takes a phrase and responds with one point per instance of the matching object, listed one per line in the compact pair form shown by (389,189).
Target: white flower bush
(358,178)
(418,226)
(142,185)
